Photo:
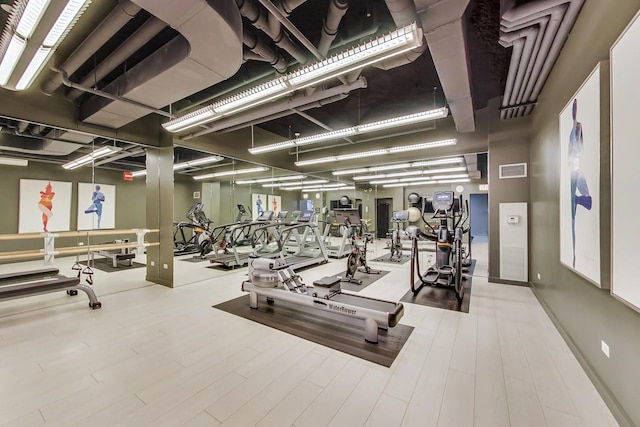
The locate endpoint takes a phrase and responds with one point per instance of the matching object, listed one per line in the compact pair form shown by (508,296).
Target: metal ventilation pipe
(139,38)
(119,16)
(403,13)
(259,18)
(257,45)
(536,31)
(337,9)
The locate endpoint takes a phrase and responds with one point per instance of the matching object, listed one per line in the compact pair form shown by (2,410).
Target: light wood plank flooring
(164,357)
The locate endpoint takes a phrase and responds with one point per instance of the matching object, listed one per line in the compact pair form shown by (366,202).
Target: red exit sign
(127,176)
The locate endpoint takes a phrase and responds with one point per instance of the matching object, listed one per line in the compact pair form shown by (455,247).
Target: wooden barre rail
(71,250)
(87,233)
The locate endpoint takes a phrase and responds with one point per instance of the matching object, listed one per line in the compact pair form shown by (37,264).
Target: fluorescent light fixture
(89,158)
(13,162)
(416,183)
(11,58)
(388,45)
(354,130)
(281,178)
(30,18)
(350,171)
(192,119)
(454,176)
(414,173)
(380,152)
(273,185)
(184,165)
(232,172)
(311,189)
(308,182)
(451,160)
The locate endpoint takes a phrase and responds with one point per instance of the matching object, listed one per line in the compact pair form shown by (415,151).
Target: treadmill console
(400,216)
(443,200)
(305,216)
(282,215)
(265,216)
(350,216)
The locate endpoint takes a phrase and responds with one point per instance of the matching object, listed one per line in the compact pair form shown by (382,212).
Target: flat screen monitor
(282,215)
(266,216)
(305,216)
(400,216)
(347,214)
(443,200)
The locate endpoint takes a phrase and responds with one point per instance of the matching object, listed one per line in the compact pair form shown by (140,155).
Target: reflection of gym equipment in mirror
(44,281)
(447,270)
(233,242)
(398,218)
(199,227)
(336,228)
(281,283)
(360,238)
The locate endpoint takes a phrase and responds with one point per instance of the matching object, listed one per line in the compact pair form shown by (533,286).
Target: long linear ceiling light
(409,173)
(339,186)
(89,158)
(21,25)
(380,152)
(423,116)
(448,161)
(379,49)
(413,184)
(274,179)
(184,165)
(418,178)
(233,172)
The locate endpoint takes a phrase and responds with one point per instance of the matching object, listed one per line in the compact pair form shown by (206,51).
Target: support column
(160,212)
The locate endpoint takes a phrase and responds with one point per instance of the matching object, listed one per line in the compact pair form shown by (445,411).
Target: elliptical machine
(357,259)
(200,227)
(447,270)
(395,244)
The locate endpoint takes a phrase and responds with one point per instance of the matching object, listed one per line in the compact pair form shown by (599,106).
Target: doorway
(479,207)
(383,217)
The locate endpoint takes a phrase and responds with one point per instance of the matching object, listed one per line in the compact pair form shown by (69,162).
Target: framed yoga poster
(96,206)
(580,180)
(44,206)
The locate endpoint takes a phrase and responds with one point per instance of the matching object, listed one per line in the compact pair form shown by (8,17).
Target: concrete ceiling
(404,89)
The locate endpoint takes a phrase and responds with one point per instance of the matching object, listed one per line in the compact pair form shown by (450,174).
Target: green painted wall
(585,313)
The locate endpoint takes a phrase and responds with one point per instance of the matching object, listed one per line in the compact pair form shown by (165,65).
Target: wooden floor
(164,357)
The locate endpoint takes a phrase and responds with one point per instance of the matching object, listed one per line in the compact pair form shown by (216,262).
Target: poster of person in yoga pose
(274,203)
(580,181)
(259,204)
(96,206)
(37,213)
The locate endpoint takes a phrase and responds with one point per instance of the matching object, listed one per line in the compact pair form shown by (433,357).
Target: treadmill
(310,249)
(238,241)
(342,217)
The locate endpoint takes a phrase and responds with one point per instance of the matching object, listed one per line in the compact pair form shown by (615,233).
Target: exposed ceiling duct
(139,38)
(32,145)
(337,9)
(444,29)
(208,50)
(259,46)
(403,13)
(121,14)
(536,31)
(260,18)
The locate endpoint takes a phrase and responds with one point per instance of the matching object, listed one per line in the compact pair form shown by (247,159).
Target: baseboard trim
(508,282)
(614,406)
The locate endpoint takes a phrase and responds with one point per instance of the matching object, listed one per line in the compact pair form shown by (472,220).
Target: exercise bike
(447,270)
(395,244)
(357,259)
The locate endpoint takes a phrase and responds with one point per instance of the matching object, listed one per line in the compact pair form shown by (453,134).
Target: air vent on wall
(516,170)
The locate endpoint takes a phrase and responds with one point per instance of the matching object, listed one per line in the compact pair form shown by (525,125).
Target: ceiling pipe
(69,83)
(295,32)
(119,16)
(403,13)
(257,45)
(524,82)
(259,18)
(139,38)
(277,107)
(337,9)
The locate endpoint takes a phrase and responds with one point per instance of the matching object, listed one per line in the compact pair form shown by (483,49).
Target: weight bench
(118,255)
(44,281)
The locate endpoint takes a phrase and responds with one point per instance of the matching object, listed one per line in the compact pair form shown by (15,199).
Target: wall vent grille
(516,170)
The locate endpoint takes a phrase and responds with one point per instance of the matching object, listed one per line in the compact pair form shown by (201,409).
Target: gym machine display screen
(400,216)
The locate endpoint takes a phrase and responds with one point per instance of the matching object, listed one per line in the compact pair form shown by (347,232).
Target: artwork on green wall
(274,203)
(259,204)
(45,206)
(96,206)
(580,180)
(625,151)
